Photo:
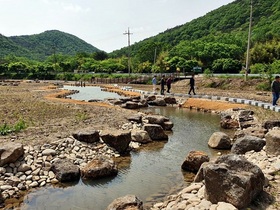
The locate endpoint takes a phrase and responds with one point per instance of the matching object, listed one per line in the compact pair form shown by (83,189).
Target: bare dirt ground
(49,118)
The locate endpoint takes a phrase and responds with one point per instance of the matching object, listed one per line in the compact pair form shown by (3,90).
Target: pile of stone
(87,153)
(138,102)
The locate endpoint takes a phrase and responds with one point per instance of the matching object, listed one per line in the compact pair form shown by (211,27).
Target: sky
(102,23)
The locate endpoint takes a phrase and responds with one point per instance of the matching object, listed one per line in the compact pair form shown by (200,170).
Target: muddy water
(151,173)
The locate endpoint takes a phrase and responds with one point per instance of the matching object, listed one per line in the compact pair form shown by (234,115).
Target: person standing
(162,84)
(168,84)
(192,83)
(275,88)
(154,82)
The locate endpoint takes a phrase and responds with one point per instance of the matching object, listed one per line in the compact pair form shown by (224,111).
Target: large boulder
(10,152)
(246,144)
(194,160)
(155,132)
(65,170)
(100,167)
(232,179)
(117,139)
(128,202)
(86,135)
(219,140)
(273,142)
(140,136)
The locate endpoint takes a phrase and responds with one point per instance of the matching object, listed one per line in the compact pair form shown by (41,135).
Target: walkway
(217,98)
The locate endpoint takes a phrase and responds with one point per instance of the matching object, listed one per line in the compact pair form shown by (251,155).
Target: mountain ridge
(40,46)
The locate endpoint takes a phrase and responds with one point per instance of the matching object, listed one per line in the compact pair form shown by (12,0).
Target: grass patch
(6,129)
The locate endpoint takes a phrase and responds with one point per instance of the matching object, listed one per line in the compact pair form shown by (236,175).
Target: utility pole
(249,42)
(128,39)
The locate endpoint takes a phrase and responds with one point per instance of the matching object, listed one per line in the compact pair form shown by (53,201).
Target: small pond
(151,173)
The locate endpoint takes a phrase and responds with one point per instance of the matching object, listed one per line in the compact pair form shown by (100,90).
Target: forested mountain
(217,42)
(40,46)
(221,33)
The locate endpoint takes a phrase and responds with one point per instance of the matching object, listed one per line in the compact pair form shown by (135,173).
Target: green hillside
(221,33)
(40,46)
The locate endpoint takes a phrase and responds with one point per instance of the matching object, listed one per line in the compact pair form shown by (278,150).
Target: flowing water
(151,173)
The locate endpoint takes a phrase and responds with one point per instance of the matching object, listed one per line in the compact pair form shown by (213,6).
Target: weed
(5,129)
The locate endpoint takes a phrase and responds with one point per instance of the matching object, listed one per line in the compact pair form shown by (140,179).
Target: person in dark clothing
(192,83)
(168,84)
(275,88)
(162,84)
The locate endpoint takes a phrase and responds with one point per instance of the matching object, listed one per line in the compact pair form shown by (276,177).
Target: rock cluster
(193,196)
(137,102)
(33,169)
(87,153)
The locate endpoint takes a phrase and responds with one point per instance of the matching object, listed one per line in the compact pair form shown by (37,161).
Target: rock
(251,131)
(245,118)
(151,98)
(2,170)
(1,200)
(194,160)
(89,136)
(65,170)
(225,206)
(14,181)
(128,202)
(170,100)
(157,102)
(156,119)
(10,153)
(167,125)
(164,122)
(232,179)
(118,139)
(100,167)
(228,123)
(135,118)
(273,142)
(140,136)
(219,140)
(24,167)
(48,152)
(155,132)
(34,184)
(269,124)
(247,143)
(131,105)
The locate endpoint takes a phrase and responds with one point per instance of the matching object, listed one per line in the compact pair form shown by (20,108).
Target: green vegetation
(217,42)
(6,129)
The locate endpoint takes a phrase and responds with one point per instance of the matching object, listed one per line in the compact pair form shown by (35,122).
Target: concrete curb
(216,98)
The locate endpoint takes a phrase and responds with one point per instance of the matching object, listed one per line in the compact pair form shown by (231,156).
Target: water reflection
(151,172)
